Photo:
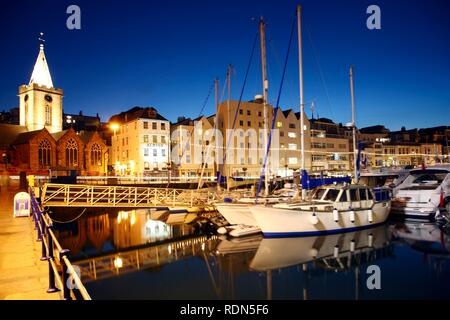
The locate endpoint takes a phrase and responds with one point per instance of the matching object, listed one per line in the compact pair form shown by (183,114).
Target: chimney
(259,98)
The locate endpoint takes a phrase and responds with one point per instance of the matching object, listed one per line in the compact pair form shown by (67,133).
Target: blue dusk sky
(166,53)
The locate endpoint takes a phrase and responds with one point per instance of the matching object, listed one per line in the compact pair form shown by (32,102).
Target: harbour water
(142,254)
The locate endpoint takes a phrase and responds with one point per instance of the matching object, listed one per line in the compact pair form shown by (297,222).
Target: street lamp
(114,127)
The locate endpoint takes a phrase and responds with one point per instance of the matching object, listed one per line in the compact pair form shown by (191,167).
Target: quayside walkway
(22,275)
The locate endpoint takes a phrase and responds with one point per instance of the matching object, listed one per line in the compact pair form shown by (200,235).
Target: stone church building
(39,145)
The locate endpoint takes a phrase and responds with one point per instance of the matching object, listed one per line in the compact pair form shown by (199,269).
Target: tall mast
(353,125)
(228,116)
(265,96)
(216,124)
(302,102)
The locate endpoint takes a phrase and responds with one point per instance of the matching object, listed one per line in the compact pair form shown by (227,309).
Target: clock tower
(41,103)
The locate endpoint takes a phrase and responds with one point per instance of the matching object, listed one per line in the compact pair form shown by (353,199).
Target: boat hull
(237,213)
(276,222)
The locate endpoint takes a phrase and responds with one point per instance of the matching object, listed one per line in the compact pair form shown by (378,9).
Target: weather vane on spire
(41,39)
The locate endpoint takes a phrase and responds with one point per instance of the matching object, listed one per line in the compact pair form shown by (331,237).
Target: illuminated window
(279,124)
(71,153)
(96,155)
(292,146)
(155,139)
(44,153)
(292,160)
(145,138)
(292,134)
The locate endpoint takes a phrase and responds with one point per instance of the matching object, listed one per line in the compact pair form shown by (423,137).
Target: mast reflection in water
(140,254)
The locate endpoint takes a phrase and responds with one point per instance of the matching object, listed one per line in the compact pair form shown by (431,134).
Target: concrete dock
(22,275)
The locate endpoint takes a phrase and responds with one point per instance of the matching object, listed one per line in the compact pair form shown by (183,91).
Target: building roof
(286,112)
(9,133)
(137,113)
(24,137)
(85,136)
(58,135)
(41,73)
(374,129)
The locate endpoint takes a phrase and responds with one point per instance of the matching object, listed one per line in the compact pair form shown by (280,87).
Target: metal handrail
(50,246)
(129,196)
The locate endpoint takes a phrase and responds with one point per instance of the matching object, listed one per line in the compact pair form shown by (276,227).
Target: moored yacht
(332,209)
(423,193)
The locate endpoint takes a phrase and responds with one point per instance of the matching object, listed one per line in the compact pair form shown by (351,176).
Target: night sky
(166,54)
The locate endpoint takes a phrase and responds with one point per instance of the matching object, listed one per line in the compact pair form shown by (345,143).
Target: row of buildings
(38,136)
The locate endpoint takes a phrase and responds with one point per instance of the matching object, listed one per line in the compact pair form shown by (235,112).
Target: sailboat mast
(355,170)
(216,123)
(302,101)
(228,115)
(265,96)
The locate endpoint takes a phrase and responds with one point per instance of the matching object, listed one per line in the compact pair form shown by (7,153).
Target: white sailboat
(237,212)
(332,209)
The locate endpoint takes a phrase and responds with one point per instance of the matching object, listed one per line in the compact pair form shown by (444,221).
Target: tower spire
(41,73)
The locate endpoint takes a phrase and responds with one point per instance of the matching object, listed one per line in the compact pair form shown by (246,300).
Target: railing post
(42,233)
(38,227)
(65,275)
(51,274)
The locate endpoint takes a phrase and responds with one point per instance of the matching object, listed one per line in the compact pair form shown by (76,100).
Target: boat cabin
(347,197)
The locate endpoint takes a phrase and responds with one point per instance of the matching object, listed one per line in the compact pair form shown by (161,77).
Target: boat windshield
(427,177)
(318,194)
(331,195)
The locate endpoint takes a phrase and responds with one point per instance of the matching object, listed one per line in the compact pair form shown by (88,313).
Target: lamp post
(114,127)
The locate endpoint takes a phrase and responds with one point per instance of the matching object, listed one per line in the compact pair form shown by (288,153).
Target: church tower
(40,103)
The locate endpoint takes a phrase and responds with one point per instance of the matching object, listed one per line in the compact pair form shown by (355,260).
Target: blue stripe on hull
(317,233)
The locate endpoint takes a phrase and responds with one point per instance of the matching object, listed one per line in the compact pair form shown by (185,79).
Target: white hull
(236,213)
(276,222)
(284,252)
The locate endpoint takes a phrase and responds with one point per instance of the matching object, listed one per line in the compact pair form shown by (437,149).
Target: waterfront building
(81,122)
(330,147)
(377,133)
(141,142)
(246,150)
(193,148)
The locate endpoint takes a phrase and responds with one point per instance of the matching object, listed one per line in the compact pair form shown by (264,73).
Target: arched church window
(44,153)
(96,155)
(48,115)
(71,153)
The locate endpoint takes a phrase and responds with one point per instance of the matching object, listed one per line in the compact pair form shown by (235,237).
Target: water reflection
(154,259)
(98,233)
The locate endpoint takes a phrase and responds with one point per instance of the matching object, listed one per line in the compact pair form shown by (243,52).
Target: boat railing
(62,275)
